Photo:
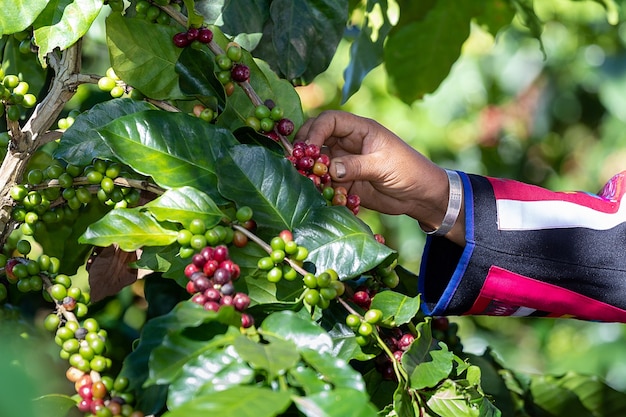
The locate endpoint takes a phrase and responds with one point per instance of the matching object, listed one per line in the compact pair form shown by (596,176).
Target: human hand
(386,173)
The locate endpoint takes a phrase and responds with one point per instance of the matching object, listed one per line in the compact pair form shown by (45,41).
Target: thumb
(353,168)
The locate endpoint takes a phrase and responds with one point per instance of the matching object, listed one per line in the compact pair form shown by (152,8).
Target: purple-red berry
(284,127)
(240,73)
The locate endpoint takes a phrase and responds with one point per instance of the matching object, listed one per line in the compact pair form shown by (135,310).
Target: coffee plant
(265,293)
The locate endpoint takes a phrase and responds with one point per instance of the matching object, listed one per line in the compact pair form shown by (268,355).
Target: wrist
(453,208)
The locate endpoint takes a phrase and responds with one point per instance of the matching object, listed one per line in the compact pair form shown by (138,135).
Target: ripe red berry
(405,341)
(362,299)
(190,287)
(211,306)
(205,35)
(353,201)
(212,294)
(84,405)
(323,159)
(285,127)
(221,276)
(232,268)
(312,150)
(297,153)
(210,267)
(240,73)
(220,253)
(241,301)
(305,163)
(202,283)
(207,252)
(190,269)
(199,298)
(181,40)
(198,260)
(247,321)
(192,34)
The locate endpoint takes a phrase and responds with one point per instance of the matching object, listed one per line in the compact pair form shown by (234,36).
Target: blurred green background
(551,114)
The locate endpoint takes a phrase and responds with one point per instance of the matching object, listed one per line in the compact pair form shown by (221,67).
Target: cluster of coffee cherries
(364,326)
(111,83)
(14,96)
(34,199)
(196,235)
(201,35)
(102,396)
(64,123)
(313,164)
(205,113)
(268,119)
(322,289)
(211,275)
(397,341)
(153,13)
(282,246)
(96,393)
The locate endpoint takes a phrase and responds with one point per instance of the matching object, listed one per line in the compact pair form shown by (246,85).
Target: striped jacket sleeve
(531,252)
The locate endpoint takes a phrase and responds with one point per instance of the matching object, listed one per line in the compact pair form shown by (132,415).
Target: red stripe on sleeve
(504,292)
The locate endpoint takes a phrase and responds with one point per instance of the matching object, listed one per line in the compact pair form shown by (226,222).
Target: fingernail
(340,169)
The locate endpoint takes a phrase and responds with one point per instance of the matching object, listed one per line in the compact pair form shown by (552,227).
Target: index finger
(331,126)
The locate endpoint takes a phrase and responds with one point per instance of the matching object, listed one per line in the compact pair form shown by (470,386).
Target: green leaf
(336,403)
(82,142)
(209,372)
(344,341)
(595,394)
(334,370)
(420,68)
(178,348)
(279,196)
(53,404)
(304,333)
(273,358)
(427,363)
(183,205)
(197,78)
(307,379)
(300,38)
(365,53)
(562,395)
(164,259)
(397,308)
(62,23)
(143,55)
(493,15)
(18,15)
(176,149)
(243,401)
(449,400)
(403,404)
(337,239)
(247,16)
(130,229)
